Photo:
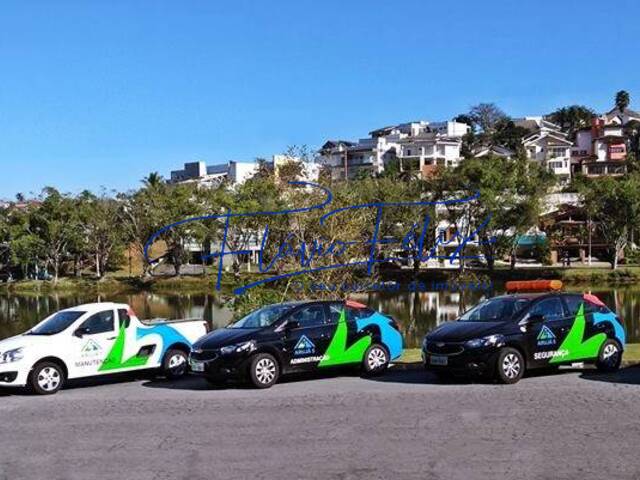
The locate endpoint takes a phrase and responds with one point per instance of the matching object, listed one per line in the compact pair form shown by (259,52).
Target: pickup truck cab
(95,339)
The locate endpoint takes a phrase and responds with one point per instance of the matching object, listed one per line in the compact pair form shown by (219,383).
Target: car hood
(463,331)
(225,336)
(22,341)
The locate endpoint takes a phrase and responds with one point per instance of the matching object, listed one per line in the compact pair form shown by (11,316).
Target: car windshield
(495,309)
(263,317)
(56,323)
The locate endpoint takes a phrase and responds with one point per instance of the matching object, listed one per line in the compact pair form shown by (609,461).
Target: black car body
(506,335)
(294,337)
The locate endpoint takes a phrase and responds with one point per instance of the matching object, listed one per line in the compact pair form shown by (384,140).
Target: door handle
(111,338)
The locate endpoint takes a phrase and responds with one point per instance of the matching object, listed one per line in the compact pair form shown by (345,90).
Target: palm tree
(153,180)
(622,100)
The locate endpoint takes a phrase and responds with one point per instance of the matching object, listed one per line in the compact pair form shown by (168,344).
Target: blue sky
(100,93)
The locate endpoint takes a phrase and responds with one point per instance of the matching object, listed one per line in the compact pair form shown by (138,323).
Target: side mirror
(80,332)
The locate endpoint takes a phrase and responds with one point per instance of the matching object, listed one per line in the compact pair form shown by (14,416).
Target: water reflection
(416,312)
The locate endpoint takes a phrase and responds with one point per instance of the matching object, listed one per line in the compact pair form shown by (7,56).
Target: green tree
(102,235)
(486,116)
(510,193)
(572,118)
(55,222)
(614,205)
(622,100)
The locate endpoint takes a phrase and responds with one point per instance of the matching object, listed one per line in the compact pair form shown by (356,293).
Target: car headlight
(490,341)
(249,346)
(12,355)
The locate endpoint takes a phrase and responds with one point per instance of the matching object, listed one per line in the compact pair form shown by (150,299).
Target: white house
(548,145)
(212,175)
(416,145)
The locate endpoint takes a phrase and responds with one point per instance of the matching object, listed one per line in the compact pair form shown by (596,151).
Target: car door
(92,340)
(306,342)
(544,338)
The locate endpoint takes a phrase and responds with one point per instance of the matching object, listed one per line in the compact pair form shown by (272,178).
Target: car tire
(610,356)
(509,366)
(263,370)
(46,378)
(375,361)
(174,364)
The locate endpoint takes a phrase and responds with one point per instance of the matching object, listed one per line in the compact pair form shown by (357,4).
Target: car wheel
(263,370)
(46,378)
(509,366)
(376,360)
(610,357)
(174,364)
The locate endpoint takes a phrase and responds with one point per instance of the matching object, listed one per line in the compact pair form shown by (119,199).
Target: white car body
(131,344)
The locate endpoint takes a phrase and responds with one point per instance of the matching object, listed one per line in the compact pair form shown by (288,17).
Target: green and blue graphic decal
(115,358)
(575,346)
(338,353)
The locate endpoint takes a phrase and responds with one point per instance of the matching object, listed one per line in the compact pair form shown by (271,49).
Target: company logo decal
(304,347)
(546,337)
(90,349)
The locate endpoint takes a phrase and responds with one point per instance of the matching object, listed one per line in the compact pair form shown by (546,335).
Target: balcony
(598,169)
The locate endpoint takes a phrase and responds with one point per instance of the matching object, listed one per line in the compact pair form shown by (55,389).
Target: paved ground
(402,426)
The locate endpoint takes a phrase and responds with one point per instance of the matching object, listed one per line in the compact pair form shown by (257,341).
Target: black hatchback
(503,336)
(295,337)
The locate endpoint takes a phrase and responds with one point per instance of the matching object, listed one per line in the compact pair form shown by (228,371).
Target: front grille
(439,348)
(204,355)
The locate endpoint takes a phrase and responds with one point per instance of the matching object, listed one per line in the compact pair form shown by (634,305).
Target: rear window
(574,302)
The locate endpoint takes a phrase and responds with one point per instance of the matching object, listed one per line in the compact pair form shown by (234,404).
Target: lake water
(417,313)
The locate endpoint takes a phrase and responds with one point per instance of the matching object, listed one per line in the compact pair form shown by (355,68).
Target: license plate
(197,366)
(438,360)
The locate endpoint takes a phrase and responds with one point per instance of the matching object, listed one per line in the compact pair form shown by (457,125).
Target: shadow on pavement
(193,382)
(85,382)
(629,376)
(421,376)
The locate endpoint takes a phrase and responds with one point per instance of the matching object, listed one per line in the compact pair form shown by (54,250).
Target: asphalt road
(402,426)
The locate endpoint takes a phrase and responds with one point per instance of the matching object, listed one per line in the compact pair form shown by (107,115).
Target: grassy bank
(631,355)
(577,277)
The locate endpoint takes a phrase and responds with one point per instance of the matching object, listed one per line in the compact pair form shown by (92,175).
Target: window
(310,316)
(56,323)
(573,303)
(99,323)
(124,317)
(354,314)
(550,308)
(263,317)
(335,310)
(495,309)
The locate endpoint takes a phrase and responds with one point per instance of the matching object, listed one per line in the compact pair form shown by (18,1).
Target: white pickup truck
(95,339)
